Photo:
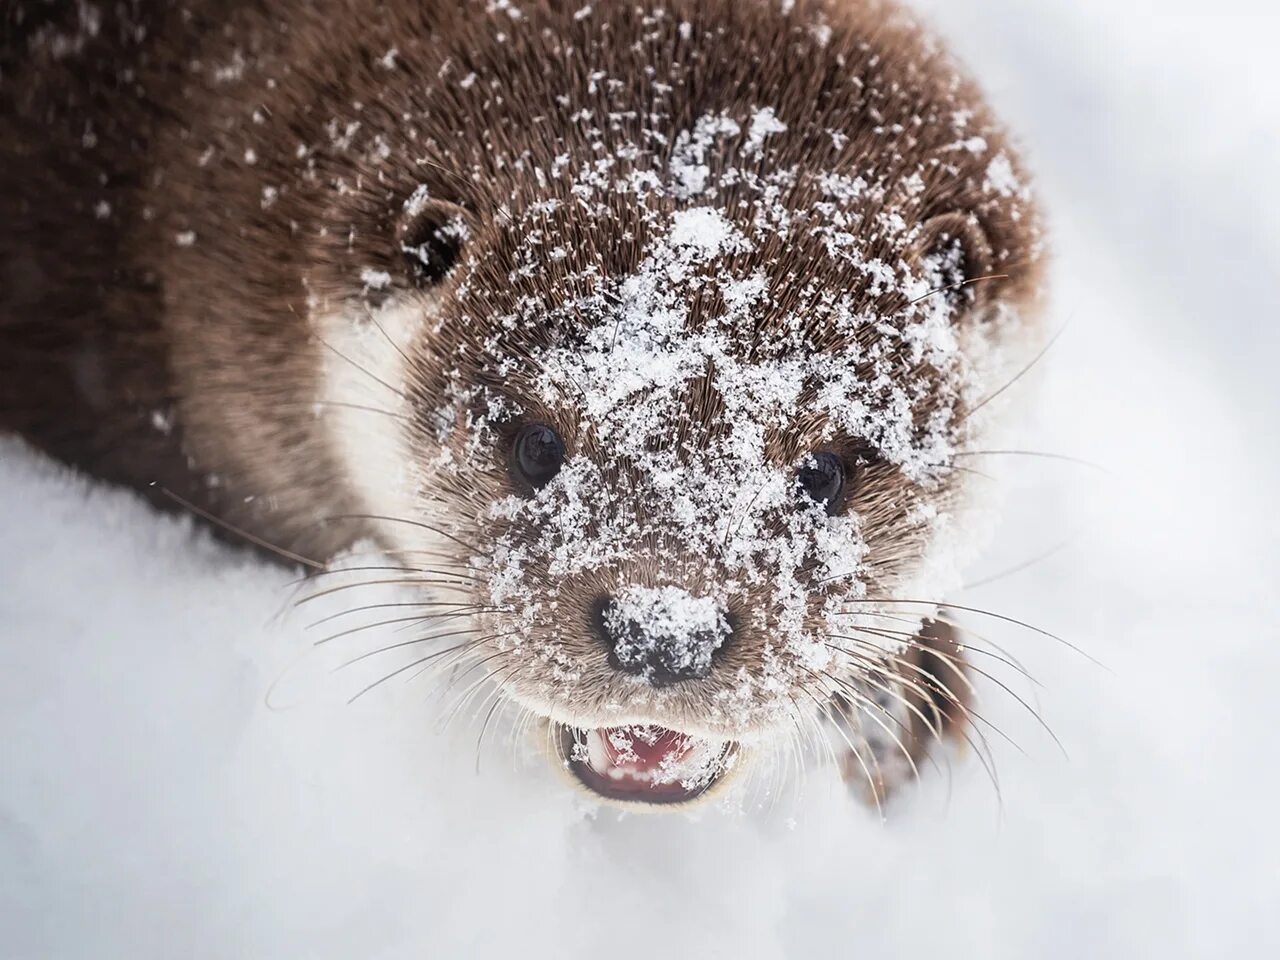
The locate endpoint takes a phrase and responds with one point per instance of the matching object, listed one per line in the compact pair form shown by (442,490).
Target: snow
(185,777)
(667,626)
(375,279)
(764,123)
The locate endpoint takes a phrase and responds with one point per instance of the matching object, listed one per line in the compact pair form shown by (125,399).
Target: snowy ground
(182,777)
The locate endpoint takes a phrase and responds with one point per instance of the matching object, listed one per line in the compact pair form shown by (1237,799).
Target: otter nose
(663,634)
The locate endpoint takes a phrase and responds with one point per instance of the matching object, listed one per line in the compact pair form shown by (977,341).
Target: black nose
(663,649)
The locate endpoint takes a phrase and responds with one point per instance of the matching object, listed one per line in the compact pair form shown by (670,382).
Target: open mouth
(646,764)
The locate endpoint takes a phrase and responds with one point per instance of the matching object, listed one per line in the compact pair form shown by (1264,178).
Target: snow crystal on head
(764,123)
(700,234)
(666,624)
(760,363)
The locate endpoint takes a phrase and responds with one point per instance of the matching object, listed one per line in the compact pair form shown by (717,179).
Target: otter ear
(953,252)
(431,236)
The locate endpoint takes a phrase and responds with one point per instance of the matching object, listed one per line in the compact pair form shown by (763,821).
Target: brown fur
(150,361)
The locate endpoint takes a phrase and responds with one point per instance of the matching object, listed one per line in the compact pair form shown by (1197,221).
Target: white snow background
(180,775)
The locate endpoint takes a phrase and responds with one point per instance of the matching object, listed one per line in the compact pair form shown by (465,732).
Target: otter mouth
(645,764)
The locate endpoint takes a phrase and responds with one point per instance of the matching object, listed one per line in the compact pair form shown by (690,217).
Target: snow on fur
(682,400)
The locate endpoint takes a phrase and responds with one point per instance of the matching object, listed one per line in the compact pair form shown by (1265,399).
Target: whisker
(798,718)
(863,703)
(911,637)
(1002,654)
(1003,686)
(387,623)
(404,520)
(372,376)
(956,701)
(1026,564)
(240,531)
(382,330)
(311,404)
(329,591)
(332,571)
(395,673)
(956,286)
(871,784)
(470,692)
(410,643)
(384,606)
(985,613)
(1021,373)
(498,700)
(496,655)
(892,694)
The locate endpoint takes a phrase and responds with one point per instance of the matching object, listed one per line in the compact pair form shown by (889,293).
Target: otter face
(683,393)
(692,501)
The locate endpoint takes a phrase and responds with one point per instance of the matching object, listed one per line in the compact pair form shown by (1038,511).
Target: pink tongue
(641,750)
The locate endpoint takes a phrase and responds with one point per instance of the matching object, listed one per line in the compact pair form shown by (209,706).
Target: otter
(652,335)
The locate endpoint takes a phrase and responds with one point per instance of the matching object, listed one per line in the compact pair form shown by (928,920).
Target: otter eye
(822,480)
(538,455)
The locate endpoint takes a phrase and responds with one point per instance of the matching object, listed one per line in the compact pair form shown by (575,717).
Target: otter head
(685,328)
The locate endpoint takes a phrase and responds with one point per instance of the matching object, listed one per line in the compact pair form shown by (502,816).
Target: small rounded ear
(953,252)
(431,234)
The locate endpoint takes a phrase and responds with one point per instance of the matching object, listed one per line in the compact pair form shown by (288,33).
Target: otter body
(153,318)
(659,325)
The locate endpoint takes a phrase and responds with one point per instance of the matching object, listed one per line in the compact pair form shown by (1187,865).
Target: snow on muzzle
(646,764)
(663,635)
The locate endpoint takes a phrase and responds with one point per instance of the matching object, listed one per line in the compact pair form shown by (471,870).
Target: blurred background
(155,801)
